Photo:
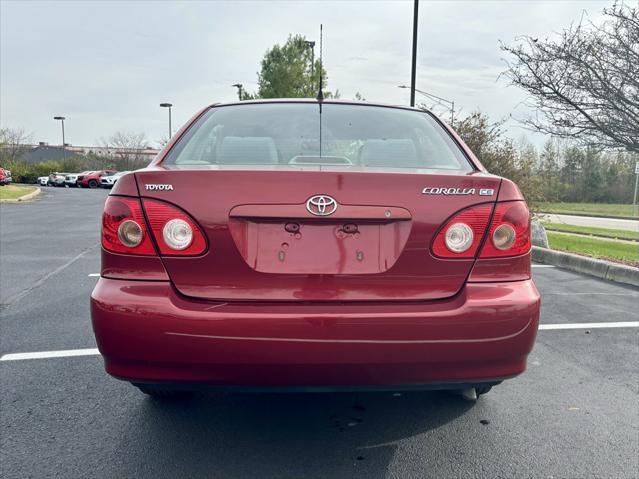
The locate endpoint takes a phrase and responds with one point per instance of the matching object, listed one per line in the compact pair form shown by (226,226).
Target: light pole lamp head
(59,118)
(166,105)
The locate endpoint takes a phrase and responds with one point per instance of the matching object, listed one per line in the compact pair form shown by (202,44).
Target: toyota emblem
(321,205)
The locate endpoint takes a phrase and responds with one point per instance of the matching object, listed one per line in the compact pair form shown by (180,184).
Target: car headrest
(390,153)
(247,150)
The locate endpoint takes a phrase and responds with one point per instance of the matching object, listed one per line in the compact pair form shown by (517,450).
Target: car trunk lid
(267,243)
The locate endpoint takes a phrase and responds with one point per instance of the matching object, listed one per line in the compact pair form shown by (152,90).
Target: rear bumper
(146,331)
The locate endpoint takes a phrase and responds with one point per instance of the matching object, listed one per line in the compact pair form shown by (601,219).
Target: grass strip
(13,192)
(595,247)
(593,231)
(601,209)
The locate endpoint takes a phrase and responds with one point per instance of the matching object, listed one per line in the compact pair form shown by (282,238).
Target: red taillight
(124,228)
(508,235)
(175,232)
(476,219)
(510,218)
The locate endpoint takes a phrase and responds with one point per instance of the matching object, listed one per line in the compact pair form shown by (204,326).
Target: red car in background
(5,177)
(92,179)
(310,245)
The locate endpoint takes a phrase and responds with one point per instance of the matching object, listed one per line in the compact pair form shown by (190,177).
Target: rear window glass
(314,134)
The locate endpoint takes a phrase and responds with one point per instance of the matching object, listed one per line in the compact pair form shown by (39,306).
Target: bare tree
(127,147)
(12,143)
(584,84)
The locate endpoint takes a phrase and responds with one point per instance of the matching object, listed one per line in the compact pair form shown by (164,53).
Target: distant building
(34,154)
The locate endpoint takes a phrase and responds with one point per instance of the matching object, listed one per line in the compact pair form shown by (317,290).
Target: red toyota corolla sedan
(297,244)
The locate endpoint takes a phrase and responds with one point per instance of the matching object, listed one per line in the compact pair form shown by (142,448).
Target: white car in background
(57,179)
(71,180)
(109,181)
(43,180)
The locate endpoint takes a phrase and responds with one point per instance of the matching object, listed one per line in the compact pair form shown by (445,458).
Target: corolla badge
(457,191)
(321,205)
(155,186)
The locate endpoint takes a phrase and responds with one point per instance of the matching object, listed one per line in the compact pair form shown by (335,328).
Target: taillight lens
(509,233)
(175,232)
(504,237)
(123,227)
(130,233)
(461,235)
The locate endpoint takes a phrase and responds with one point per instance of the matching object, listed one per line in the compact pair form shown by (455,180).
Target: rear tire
(162,392)
(93,184)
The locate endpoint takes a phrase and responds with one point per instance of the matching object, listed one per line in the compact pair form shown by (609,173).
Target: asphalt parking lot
(573,414)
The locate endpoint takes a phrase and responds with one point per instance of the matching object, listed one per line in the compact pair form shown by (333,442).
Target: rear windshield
(313,134)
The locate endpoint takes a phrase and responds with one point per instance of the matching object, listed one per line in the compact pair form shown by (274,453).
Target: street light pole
(64,144)
(168,105)
(239,90)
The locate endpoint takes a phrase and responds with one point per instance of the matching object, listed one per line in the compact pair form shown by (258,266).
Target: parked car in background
(92,179)
(264,252)
(5,177)
(57,179)
(43,180)
(71,180)
(109,181)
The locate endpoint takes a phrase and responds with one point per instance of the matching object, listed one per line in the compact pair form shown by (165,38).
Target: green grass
(600,209)
(598,248)
(12,192)
(589,230)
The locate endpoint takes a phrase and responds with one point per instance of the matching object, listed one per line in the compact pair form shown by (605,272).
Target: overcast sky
(107,65)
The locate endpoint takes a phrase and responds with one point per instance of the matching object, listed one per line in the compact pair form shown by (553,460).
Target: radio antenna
(320,93)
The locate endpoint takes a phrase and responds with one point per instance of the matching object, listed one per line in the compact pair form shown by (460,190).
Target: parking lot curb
(618,273)
(26,197)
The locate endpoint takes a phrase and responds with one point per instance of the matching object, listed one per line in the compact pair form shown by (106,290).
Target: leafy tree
(290,71)
(500,155)
(585,83)
(549,170)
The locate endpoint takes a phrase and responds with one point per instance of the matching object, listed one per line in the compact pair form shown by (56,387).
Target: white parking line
(49,354)
(93,275)
(543,265)
(621,324)
(94,352)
